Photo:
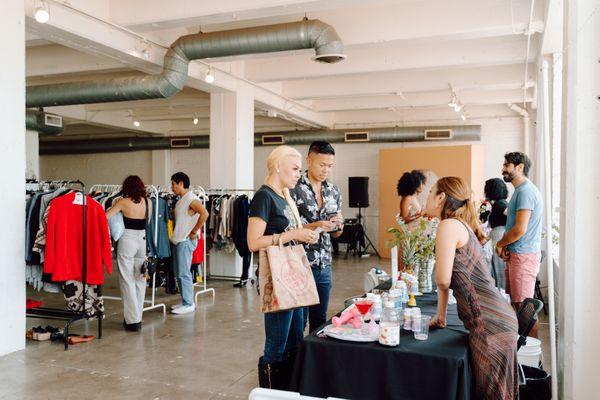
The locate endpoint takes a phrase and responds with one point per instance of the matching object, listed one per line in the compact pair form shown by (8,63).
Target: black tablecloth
(437,368)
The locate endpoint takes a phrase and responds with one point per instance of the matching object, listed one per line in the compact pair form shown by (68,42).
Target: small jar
(407,319)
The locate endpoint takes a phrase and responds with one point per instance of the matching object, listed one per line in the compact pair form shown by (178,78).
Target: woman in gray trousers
(131,249)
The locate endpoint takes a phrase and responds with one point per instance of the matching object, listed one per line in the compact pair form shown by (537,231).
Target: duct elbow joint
(326,42)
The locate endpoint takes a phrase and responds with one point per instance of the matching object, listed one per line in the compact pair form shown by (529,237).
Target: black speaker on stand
(358,197)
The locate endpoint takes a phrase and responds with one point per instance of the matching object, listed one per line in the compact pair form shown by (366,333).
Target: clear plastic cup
(421,331)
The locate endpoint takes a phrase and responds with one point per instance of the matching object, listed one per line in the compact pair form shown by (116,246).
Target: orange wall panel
(463,161)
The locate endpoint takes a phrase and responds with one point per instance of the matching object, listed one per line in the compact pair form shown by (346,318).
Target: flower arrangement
(417,243)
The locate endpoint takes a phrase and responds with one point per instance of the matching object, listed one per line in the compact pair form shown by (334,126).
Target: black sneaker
(135,327)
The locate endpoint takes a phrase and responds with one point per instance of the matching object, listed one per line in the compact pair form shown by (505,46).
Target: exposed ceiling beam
(398,55)
(144,15)
(403,117)
(57,60)
(413,100)
(502,77)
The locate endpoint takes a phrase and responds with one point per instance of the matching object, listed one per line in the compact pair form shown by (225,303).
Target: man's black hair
(181,177)
(495,189)
(517,158)
(410,182)
(320,147)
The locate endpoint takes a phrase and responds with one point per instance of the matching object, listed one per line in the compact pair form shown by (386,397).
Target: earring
(277,171)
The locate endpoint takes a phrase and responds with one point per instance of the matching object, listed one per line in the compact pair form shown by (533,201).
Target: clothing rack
(154,190)
(62,314)
(249,192)
(201,193)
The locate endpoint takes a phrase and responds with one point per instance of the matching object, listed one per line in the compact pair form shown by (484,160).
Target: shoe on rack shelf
(184,310)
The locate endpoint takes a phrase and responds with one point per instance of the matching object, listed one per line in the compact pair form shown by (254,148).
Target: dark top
(273,209)
(240,226)
(137,224)
(319,254)
(497,216)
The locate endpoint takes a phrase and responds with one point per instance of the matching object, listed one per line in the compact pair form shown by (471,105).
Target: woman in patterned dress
(460,266)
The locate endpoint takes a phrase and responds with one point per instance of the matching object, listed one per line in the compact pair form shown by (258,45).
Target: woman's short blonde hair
(277,156)
(274,160)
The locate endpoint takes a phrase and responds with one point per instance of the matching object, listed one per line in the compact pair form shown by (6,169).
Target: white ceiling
(402,57)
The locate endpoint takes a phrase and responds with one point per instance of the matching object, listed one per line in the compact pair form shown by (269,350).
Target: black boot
(241,283)
(277,375)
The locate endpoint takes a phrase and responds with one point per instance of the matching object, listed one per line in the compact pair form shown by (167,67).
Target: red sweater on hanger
(198,254)
(64,241)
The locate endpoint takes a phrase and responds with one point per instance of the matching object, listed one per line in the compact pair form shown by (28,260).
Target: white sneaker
(176,306)
(184,310)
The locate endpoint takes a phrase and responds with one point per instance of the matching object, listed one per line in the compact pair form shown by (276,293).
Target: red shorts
(520,273)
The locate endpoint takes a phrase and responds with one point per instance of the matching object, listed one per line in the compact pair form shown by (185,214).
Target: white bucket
(530,353)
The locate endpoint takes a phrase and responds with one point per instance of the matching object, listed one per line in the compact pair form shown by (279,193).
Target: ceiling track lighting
(195,120)
(42,12)
(463,116)
(209,77)
(136,123)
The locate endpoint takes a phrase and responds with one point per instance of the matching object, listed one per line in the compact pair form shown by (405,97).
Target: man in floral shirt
(320,204)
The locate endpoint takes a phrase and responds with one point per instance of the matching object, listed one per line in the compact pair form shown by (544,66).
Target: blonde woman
(274,217)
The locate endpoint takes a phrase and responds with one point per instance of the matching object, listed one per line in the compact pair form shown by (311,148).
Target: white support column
(32,148)
(579,273)
(12,169)
(231,159)
(161,168)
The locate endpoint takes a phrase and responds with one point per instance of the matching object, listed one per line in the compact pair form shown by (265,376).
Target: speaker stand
(362,251)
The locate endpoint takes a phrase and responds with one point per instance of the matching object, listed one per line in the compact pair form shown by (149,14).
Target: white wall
(498,137)
(12,167)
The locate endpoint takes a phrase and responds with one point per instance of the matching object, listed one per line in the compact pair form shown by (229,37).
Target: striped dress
(491,321)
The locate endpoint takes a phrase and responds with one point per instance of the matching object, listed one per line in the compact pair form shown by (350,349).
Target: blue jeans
(317,315)
(182,262)
(283,331)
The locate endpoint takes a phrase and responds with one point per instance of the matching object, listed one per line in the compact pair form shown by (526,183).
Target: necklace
(276,190)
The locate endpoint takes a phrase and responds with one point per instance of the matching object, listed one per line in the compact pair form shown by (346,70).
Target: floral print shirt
(319,254)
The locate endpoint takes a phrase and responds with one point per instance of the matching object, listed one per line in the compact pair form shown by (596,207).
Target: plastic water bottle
(389,326)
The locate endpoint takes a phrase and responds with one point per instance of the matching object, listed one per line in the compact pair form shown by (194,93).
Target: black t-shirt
(497,216)
(273,209)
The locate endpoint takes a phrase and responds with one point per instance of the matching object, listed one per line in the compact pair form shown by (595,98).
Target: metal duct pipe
(37,121)
(379,135)
(263,39)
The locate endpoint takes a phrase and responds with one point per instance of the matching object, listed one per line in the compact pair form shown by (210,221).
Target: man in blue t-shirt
(520,245)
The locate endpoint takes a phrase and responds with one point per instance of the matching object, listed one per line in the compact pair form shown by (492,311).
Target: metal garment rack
(62,314)
(154,190)
(201,193)
(248,192)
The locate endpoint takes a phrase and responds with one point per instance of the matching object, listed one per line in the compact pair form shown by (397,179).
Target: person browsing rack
(190,215)
(131,249)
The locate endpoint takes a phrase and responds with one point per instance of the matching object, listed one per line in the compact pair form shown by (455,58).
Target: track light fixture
(453,100)
(195,120)
(209,77)
(463,116)
(42,12)
(136,123)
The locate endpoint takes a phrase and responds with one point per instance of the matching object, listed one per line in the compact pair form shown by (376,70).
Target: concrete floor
(211,354)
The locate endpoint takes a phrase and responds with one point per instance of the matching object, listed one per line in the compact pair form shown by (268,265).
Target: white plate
(346,332)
